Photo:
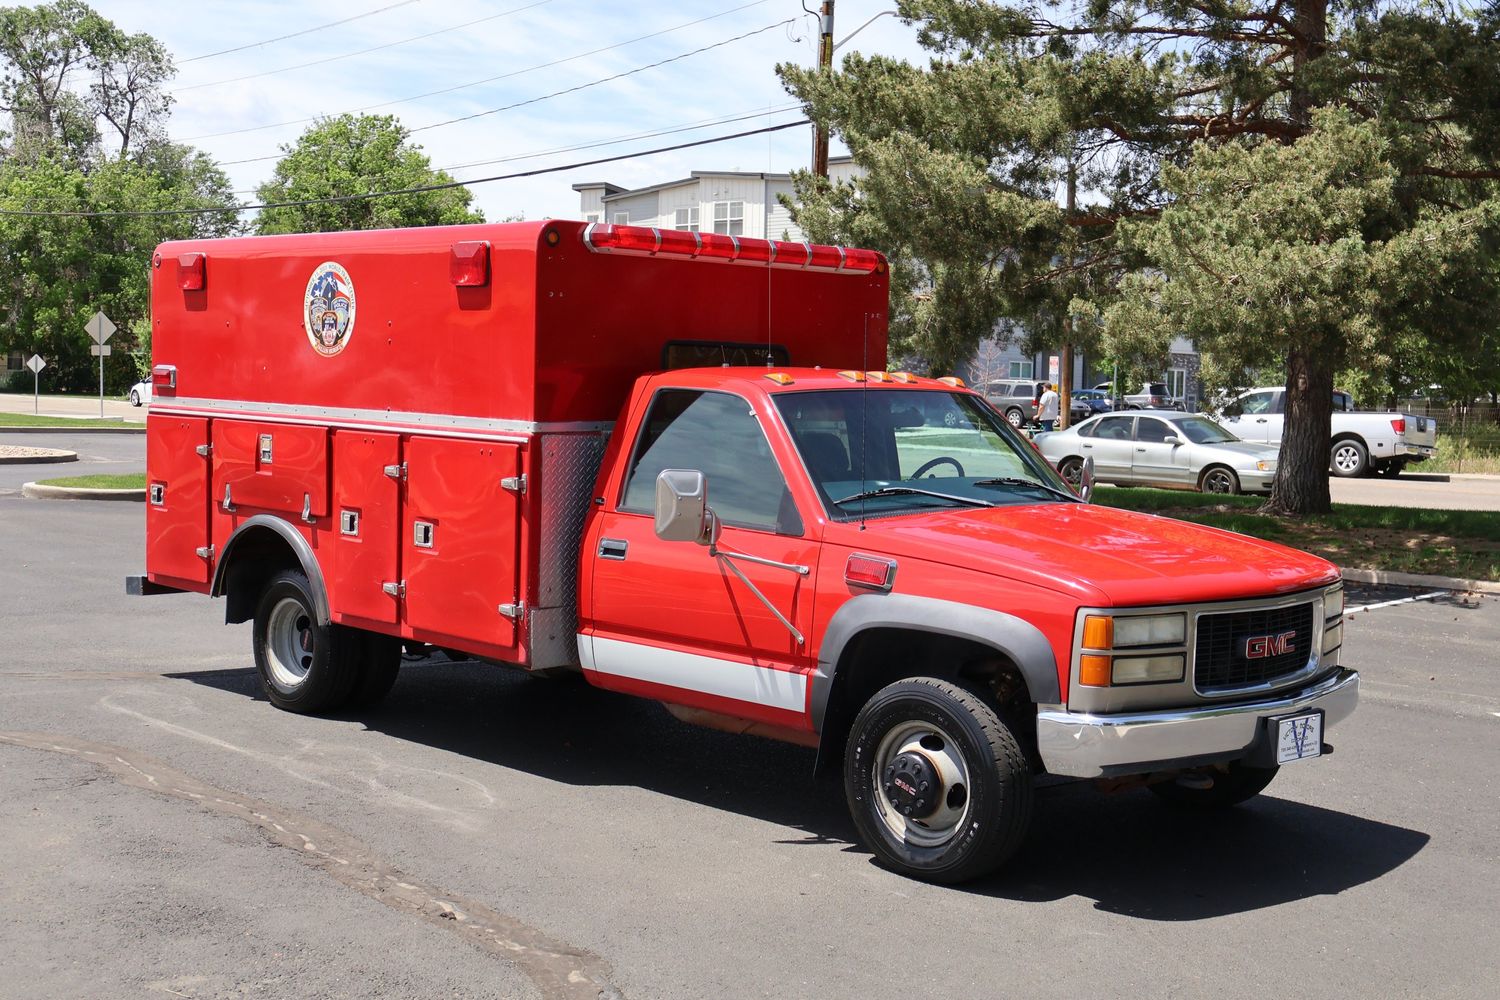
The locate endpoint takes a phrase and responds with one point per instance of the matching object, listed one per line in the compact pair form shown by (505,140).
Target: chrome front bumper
(1092,746)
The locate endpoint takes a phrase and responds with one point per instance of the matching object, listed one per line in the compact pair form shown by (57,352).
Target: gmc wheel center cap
(912,785)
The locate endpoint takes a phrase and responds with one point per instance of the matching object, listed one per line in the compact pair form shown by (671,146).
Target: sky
(242,106)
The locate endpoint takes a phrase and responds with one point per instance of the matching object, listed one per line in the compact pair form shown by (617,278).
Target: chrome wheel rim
(953,797)
(1345,459)
(290,643)
(1013,417)
(1072,473)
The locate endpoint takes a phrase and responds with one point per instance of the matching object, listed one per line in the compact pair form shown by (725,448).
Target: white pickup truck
(1384,443)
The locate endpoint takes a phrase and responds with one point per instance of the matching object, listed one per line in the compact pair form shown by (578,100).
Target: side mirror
(682,511)
(1171,439)
(1086,480)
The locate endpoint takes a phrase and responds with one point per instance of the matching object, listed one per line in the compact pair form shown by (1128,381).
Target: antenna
(864,422)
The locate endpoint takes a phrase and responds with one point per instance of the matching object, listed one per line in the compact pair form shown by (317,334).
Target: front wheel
(1071,469)
(1015,417)
(1228,788)
(135,398)
(1350,458)
(1218,479)
(938,786)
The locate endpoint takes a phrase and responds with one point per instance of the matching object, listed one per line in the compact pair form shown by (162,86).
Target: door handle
(613,548)
(1088,446)
(1260,420)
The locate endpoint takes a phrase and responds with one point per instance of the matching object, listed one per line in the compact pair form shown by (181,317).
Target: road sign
(100,350)
(35,363)
(100,328)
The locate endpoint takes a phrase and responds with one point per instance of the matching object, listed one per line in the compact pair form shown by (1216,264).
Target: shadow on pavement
(1130,853)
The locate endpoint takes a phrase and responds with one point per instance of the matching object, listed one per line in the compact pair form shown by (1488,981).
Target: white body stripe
(784,689)
(353,417)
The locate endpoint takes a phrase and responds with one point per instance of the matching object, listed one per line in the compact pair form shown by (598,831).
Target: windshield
(1200,430)
(887,451)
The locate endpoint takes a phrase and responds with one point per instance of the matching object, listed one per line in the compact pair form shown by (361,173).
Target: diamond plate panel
(568,467)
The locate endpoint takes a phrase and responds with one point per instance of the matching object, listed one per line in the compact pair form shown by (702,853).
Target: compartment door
(366,517)
(460,538)
(280,467)
(177,498)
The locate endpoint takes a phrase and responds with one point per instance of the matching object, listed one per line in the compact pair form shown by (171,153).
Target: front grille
(1223,662)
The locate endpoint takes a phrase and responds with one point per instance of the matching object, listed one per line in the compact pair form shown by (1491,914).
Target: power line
(547,97)
(296,34)
(423,189)
(488,79)
(361,52)
(615,141)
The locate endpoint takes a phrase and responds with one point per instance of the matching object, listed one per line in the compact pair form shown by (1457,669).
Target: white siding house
(722,201)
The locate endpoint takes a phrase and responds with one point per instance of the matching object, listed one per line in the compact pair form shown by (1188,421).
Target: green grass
(1474,449)
(1458,543)
(121,481)
(42,420)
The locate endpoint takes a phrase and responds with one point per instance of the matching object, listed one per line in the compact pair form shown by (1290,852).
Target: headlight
(1266,465)
(1104,635)
(1333,602)
(1141,630)
(1148,669)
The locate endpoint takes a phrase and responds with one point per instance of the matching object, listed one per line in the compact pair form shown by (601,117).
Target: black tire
(1241,782)
(304,667)
(1391,469)
(379,664)
(1015,417)
(1350,458)
(1219,479)
(1071,469)
(972,828)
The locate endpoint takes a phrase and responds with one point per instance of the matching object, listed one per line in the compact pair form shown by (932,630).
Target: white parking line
(1390,604)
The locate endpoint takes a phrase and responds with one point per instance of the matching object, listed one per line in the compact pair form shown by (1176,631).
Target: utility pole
(825,66)
(1065,369)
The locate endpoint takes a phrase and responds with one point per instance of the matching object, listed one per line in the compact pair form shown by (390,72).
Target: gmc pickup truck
(1384,443)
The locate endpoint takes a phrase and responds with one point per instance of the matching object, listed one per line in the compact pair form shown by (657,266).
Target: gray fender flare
(295,542)
(1019,640)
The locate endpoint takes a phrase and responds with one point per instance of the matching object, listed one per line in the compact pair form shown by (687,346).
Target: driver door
(670,620)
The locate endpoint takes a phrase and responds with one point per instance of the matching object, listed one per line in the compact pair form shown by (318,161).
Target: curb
(85,429)
(56,455)
(40,491)
(1380,576)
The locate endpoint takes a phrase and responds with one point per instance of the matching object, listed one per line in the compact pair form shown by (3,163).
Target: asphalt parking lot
(485,834)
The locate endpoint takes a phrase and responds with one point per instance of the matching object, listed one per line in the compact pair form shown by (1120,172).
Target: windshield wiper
(887,491)
(1018,481)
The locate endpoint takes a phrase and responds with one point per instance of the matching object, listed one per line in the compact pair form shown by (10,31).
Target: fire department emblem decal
(328,309)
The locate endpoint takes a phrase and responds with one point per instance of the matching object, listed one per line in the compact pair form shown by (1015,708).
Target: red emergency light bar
(647,241)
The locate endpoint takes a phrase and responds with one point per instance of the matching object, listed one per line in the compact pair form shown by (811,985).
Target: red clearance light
(679,242)
(754,251)
(868,571)
(1399,425)
(718,246)
(164,377)
(792,254)
(469,264)
(823,256)
(192,271)
(863,260)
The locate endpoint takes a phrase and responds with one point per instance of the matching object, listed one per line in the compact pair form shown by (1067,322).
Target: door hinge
(516,484)
(204,552)
(513,611)
(396,589)
(204,450)
(396,471)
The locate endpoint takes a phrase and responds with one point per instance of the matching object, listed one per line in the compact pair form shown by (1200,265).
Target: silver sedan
(1161,448)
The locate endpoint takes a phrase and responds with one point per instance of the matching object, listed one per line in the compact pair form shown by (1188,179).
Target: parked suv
(1017,399)
(1153,396)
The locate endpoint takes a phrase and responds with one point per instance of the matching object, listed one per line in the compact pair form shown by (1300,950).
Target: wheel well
(880,656)
(253,558)
(1216,465)
(1351,436)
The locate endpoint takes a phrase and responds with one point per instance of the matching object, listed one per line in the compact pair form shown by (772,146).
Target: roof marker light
(904,377)
(879,376)
(605,238)
(780,378)
(852,376)
(953,380)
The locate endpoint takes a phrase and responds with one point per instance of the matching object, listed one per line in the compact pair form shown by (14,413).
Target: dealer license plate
(1299,737)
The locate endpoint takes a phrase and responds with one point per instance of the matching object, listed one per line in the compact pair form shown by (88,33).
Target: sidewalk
(82,407)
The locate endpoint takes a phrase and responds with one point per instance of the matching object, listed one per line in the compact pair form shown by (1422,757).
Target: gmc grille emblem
(1258,647)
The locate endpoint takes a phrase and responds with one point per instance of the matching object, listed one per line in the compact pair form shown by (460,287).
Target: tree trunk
(1301,483)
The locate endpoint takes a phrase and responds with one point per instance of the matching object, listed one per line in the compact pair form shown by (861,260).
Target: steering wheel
(940,460)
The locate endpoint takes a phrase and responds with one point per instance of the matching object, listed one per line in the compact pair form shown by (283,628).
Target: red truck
(676,463)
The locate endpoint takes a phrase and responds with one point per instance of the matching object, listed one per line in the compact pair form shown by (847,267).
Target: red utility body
(506,440)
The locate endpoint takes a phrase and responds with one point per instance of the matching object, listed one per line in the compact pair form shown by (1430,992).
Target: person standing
(1046,408)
